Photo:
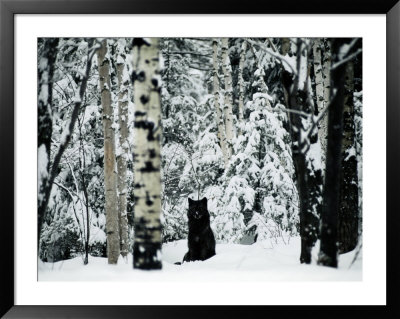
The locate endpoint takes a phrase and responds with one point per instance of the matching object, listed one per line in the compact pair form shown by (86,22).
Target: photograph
(199,158)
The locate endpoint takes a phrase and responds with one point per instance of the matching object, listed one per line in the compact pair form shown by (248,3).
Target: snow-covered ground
(268,261)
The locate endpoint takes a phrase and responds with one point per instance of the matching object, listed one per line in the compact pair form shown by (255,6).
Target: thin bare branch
(345,60)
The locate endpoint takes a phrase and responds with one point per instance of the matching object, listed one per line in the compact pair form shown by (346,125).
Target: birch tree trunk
(147,132)
(216,89)
(320,93)
(45,124)
(330,209)
(319,80)
(348,213)
(110,176)
(228,101)
(326,75)
(241,84)
(123,99)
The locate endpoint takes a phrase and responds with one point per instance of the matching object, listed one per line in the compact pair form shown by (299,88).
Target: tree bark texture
(147,132)
(123,100)
(216,89)
(326,75)
(330,209)
(110,175)
(309,189)
(348,213)
(309,179)
(322,99)
(241,84)
(319,84)
(228,101)
(87,237)
(45,124)
(285,46)
(82,164)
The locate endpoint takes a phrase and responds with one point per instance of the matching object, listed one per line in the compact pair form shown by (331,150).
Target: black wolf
(201,241)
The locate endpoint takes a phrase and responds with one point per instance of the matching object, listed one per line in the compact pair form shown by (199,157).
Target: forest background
(227,118)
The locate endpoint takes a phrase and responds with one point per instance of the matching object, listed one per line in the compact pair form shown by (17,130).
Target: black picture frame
(9,8)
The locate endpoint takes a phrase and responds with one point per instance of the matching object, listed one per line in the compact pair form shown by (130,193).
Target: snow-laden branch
(92,50)
(73,176)
(72,194)
(208,55)
(279,56)
(67,190)
(179,175)
(81,232)
(199,68)
(67,132)
(200,39)
(166,171)
(272,45)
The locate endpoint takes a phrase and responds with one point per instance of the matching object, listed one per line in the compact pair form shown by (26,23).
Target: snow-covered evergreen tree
(192,158)
(259,177)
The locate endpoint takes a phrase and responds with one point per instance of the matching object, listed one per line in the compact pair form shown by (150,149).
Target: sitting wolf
(201,241)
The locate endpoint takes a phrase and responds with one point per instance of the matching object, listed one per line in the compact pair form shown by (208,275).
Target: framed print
(214,135)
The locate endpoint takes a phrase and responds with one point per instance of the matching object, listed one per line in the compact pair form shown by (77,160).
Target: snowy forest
(265,133)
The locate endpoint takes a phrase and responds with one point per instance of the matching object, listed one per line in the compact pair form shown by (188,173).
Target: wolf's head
(198,209)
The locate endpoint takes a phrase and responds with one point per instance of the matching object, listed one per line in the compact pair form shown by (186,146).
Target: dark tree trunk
(348,213)
(45,125)
(330,208)
(309,179)
(86,261)
(309,189)
(82,164)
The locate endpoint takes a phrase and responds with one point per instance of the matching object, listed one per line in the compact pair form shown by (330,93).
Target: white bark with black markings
(326,75)
(147,151)
(319,80)
(216,89)
(241,83)
(228,99)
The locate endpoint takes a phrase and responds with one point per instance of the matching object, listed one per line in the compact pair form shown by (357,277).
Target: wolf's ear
(204,201)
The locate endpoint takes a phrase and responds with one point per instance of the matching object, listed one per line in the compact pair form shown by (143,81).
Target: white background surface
(372,290)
